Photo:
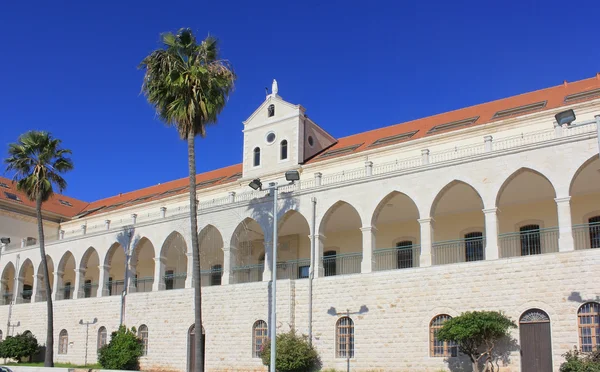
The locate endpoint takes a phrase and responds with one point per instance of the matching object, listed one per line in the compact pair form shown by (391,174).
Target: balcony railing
(115,287)
(587,236)
(460,250)
(248,273)
(90,290)
(342,264)
(143,284)
(65,292)
(7,298)
(529,242)
(211,277)
(294,269)
(397,258)
(175,280)
(25,297)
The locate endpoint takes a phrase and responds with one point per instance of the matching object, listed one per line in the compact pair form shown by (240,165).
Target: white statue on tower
(274,88)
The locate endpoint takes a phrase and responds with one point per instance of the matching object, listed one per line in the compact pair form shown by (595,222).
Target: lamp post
(12,326)
(567,118)
(291,176)
(332,311)
(87,324)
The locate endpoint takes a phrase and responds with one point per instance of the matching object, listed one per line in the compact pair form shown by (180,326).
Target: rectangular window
(303,272)
(474,246)
(87,289)
(530,240)
(594,232)
(216,275)
(169,279)
(405,254)
(329,263)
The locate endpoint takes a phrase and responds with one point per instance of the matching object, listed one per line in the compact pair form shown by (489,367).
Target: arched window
(588,318)
(271,110)
(283,154)
(260,334)
(63,342)
(256,156)
(594,232)
(530,240)
(344,338)
(143,335)
(101,337)
(440,348)
(405,254)
(474,246)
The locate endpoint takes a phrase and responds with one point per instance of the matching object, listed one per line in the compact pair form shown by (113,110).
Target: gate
(536,341)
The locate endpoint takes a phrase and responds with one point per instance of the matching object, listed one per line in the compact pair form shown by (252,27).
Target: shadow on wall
(576,297)
(500,357)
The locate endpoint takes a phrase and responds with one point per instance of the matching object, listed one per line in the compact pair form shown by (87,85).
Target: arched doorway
(342,246)
(192,348)
(536,341)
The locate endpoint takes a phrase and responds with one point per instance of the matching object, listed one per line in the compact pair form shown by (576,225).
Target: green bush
(576,361)
(122,352)
(294,353)
(18,347)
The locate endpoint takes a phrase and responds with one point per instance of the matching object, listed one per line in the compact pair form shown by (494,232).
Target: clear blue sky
(70,67)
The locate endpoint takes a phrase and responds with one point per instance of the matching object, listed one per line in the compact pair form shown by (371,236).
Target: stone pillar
(189,278)
(491,233)
(368,246)
(37,283)
(318,178)
(267,272)
(426,240)
(565,225)
(131,286)
(487,140)
(106,224)
(558,131)
(163,212)
(18,293)
(104,271)
(228,261)
(133,218)
(58,282)
(318,259)
(159,274)
(61,234)
(23,243)
(232,196)
(83,229)
(78,291)
(425,156)
(369,168)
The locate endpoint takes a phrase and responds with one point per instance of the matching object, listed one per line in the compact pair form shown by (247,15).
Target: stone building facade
(491,207)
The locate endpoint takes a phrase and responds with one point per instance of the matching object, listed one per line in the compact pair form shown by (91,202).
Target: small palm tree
(37,161)
(188,85)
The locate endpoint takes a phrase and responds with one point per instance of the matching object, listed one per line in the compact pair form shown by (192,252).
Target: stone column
(369,168)
(487,140)
(163,212)
(131,286)
(318,178)
(106,224)
(565,225)
(425,156)
(18,293)
(318,259)
(102,279)
(426,240)
(268,272)
(228,261)
(368,246)
(232,196)
(78,291)
(159,274)
(56,288)
(189,278)
(35,297)
(491,233)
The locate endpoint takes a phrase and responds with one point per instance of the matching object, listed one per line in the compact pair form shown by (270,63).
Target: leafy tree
(294,353)
(188,85)
(123,352)
(18,347)
(477,333)
(38,161)
(576,361)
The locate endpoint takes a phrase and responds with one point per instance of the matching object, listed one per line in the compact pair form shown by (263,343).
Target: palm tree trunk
(198,344)
(49,357)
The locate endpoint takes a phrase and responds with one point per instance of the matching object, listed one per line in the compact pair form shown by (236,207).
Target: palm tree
(37,161)
(188,85)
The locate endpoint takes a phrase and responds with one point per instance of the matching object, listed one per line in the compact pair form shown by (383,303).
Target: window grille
(344,346)
(439,348)
(588,318)
(260,336)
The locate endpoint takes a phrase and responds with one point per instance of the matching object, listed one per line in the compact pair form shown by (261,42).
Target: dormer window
(271,110)
(283,150)
(256,156)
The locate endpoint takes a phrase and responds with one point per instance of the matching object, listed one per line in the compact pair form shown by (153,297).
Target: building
(493,207)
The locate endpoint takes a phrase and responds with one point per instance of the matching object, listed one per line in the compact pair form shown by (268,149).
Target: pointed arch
(8,283)
(115,262)
(517,180)
(212,255)
(66,271)
(338,209)
(115,251)
(174,254)
(293,252)
(26,266)
(248,241)
(90,272)
(401,203)
(41,287)
(26,278)
(456,188)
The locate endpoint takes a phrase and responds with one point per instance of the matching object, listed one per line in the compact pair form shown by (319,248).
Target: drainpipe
(311,273)
(13,299)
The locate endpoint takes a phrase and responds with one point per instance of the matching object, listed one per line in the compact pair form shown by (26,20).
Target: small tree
(123,351)
(18,347)
(294,353)
(577,361)
(477,333)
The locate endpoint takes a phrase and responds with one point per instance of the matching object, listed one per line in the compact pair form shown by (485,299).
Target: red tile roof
(483,113)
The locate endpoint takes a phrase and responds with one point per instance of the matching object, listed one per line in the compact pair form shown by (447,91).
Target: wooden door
(536,342)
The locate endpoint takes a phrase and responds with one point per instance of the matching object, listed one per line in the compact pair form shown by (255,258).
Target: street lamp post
(567,118)
(12,326)
(291,176)
(87,324)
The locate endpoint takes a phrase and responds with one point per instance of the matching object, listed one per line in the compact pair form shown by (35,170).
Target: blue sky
(70,67)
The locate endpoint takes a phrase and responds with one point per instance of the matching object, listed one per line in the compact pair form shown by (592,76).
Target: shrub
(576,361)
(122,352)
(18,347)
(294,353)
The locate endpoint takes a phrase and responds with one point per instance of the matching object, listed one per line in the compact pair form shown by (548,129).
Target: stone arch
(448,188)
(293,251)
(584,191)
(8,282)
(115,263)
(391,197)
(142,265)
(248,242)
(89,267)
(174,260)
(66,276)
(593,162)
(210,241)
(41,286)
(25,281)
(335,208)
(517,174)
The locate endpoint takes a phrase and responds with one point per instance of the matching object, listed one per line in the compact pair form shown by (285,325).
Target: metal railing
(293,269)
(248,273)
(7,298)
(65,292)
(586,236)
(397,258)
(342,264)
(90,290)
(211,277)
(527,243)
(115,287)
(143,284)
(175,280)
(460,250)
